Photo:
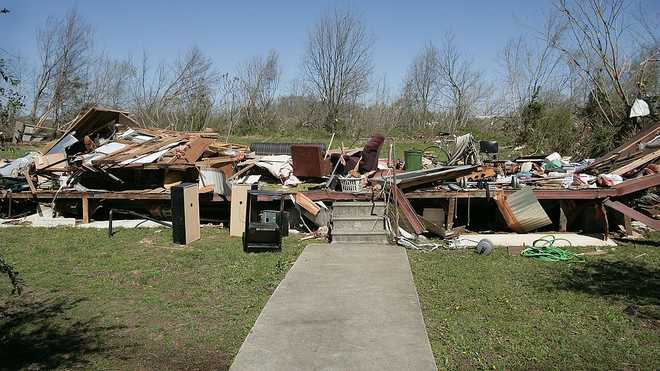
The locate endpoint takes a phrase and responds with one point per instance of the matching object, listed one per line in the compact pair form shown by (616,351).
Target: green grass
(135,301)
(13,151)
(506,312)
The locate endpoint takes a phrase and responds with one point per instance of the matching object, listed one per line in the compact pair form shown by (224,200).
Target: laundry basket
(351,184)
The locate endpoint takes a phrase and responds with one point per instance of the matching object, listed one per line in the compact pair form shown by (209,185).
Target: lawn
(135,301)
(12,151)
(506,312)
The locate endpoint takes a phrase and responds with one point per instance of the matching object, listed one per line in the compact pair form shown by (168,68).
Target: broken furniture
(262,234)
(489,148)
(308,162)
(239,198)
(185,213)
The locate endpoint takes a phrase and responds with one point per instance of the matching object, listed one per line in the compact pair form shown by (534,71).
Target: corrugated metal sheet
(527,210)
(217,178)
(277,148)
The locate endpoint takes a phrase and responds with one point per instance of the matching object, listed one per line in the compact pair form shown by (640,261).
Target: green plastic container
(413,159)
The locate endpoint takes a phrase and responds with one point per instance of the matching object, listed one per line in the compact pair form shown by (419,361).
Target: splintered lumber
(632,213)
(626,148)
(55,161)
(242,171)
(307,204)
(637,163)
(197,147)
(28,178)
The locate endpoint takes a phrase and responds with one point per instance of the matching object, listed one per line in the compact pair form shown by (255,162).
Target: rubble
(105,157)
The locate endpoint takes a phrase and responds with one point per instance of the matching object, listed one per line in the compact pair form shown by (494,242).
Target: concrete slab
(341,307)
(39,221)
(527,239)
(122,223)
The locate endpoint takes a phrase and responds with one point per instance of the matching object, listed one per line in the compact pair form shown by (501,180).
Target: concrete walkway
(341,307)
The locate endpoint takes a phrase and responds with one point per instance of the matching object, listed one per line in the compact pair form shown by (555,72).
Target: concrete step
(358,223)
(360,237)
(353,209)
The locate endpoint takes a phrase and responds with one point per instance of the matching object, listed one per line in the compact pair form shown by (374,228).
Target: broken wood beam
(632,213)
(407,211)
(637,163)
(451,210)
(85,208)
(306,203)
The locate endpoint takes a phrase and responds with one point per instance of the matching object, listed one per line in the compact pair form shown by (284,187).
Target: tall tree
(64,47)
(12,100)
(594,44)
(462,86)
(259,82)
(422,84)
(337,62)
(180,96)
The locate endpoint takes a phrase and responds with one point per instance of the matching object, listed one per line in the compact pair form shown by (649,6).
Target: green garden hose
(543,249)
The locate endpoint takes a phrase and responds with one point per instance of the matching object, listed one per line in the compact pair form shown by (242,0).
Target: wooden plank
(625,148)
(563,220)
(55,161)
(407,211)
(637,184)
(85,208)
(628,225)
(307,204)
(242,171)
(633,214)
(637,163)
(197,147)
(451,210)
(28,178)
(606,223)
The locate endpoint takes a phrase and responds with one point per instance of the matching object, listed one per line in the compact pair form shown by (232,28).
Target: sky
(229,32)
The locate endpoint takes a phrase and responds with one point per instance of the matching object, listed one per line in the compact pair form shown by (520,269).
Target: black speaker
(263,231)
(488,146)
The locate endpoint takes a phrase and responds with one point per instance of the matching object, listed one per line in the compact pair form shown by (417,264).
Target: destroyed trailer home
(105,160)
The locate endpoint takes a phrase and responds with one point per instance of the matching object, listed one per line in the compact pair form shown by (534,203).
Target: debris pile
(105,155)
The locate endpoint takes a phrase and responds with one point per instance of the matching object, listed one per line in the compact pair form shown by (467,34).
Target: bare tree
(337,62)
(12,100)
(592,43)
(259,82)
(462,87)
(64,53)
(230,102)
(422,84)
(531,66)
(108,82)
(383,114)
(178,97)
